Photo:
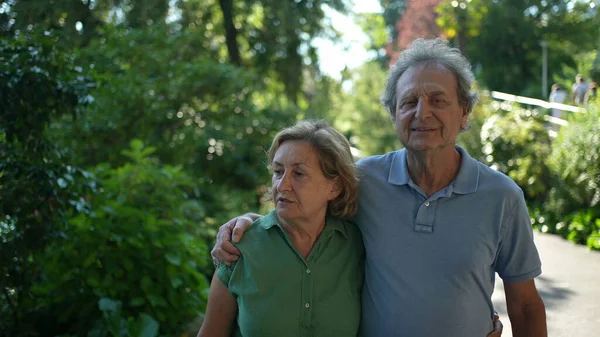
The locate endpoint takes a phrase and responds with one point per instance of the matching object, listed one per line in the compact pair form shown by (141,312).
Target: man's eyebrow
(407,92)
(436,93)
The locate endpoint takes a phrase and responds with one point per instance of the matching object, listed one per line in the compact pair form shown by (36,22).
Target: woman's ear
(336,188)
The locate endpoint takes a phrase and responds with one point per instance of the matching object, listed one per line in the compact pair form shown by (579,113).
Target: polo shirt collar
(332,224)
(466,180)
(399,169)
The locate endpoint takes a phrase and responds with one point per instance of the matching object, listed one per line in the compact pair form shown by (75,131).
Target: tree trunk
(230,32)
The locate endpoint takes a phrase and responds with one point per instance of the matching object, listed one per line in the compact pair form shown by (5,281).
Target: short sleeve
(224,272)
(518,259)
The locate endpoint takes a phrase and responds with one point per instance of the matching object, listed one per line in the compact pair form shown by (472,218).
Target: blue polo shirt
(431,261)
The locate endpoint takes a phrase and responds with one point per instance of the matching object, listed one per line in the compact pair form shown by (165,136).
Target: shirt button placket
(307,300)
(307,305)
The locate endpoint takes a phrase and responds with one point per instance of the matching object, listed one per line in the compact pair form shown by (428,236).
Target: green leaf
(107,304)
(150,326)
(137,145)
(128,263)
(137,301)
(157,301)
(173,259)
(98,332)
(61,182)
(146,284)
(176,282)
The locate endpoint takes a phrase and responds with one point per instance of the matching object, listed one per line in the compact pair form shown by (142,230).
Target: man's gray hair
(432,52)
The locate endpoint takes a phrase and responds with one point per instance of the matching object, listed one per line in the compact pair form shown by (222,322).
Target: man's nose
(423,109)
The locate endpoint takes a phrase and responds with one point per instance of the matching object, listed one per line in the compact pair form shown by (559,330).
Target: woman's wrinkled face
(301,191)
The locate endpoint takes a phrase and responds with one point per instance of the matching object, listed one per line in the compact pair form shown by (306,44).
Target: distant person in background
(591,94)
(580,87)
(558,95)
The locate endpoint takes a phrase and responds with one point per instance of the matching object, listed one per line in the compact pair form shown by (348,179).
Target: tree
(361,116)
(39,190)
(230,32)
(392,12)
(502,38)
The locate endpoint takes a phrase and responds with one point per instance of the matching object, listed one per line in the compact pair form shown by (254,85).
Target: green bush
(39,190)
(516,142)
(575,161)
(470,140)
(137,260)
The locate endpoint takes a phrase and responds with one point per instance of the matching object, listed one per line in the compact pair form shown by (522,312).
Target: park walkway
(569,285)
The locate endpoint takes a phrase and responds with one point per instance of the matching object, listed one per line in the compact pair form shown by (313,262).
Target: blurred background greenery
(131,129)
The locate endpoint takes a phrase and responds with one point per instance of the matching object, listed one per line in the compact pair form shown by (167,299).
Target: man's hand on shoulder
(224,251)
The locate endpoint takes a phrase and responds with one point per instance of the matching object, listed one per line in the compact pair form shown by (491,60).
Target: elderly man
(436,224)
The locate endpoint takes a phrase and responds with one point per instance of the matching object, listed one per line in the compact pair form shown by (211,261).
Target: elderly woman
(301,267)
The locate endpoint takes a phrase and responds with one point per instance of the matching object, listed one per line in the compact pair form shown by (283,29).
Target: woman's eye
(277,172)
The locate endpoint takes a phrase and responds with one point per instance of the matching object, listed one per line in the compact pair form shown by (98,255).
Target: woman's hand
(224,251)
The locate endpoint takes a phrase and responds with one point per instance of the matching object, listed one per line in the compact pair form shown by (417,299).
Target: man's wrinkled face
(428,115)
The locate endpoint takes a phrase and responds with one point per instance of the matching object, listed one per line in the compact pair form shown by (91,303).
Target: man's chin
(420,146)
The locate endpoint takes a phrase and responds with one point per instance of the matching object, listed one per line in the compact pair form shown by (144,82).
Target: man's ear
(464,118)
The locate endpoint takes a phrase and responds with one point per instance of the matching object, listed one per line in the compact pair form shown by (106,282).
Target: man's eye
(438,101)
(299,174)
(409,103)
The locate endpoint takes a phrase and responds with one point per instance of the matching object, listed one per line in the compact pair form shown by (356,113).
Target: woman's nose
(283,184)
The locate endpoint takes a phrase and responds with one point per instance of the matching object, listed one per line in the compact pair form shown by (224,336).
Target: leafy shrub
(515,141)
(139,253)
(39,190)
(575,161)
(470,140)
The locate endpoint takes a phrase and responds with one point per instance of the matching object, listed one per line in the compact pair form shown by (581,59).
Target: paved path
(569,285)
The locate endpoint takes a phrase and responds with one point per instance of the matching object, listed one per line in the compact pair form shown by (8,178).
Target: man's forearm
(529,320)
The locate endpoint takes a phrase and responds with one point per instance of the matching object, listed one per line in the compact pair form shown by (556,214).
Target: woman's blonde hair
(333,151)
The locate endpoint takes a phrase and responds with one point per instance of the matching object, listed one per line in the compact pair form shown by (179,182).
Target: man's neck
(433,170)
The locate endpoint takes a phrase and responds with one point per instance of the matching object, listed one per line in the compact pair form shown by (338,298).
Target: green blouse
(279,293)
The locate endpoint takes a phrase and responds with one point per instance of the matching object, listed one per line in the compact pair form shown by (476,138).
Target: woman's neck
(303,236)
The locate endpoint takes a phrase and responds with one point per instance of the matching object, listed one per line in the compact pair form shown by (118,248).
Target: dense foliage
(139,246)
(39,190)
(503,39)
(559,176)
(124,144)
(574,203)
(129,130)
(518,151)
